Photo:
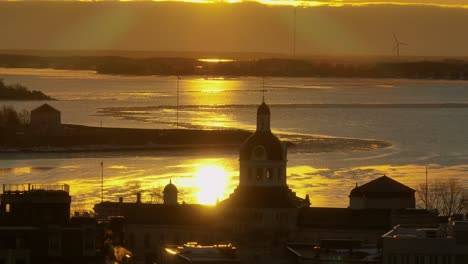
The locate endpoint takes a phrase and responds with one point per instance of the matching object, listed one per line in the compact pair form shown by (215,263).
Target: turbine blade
(394,36)
(401,43)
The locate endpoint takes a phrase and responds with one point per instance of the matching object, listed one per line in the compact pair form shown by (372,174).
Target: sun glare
(211,182)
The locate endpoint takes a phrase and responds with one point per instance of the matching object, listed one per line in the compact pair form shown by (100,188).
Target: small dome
(273,150)
(263,109)
(170,188)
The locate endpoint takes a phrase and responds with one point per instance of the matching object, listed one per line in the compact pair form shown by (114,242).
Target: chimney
(120,200)
(138,201)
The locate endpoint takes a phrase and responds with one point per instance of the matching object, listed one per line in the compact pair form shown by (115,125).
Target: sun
(211,182)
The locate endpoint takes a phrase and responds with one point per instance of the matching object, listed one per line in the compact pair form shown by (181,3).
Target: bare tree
(24,117)
(446,196)
(155,195)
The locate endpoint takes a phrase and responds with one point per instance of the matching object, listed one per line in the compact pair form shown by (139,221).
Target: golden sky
(431,28)
(335,3)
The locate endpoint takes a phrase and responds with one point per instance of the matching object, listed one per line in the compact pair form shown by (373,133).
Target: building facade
(35,227)
(45,120)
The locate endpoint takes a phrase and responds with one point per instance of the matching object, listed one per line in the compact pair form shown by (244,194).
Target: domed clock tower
(262,173)
(262,157)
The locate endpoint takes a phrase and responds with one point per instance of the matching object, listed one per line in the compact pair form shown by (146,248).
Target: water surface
(433,135)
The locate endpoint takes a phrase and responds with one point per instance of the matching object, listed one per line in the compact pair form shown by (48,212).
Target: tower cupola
(170,194)
(262,156)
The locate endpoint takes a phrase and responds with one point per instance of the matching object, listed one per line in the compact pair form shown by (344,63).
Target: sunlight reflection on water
(204,180)
(435,136)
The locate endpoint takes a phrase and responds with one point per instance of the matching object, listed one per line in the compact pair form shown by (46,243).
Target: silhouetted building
(35,227)
(149,227)
(45,120)
(263,214)
(170,193)
(262,201)
(26,204)
(382,193)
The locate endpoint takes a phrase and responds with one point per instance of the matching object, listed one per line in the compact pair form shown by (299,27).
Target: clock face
(259,152)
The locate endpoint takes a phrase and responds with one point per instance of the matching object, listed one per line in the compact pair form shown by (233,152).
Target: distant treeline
(444,69)
(19,92)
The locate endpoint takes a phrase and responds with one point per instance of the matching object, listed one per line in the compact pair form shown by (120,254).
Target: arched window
(269,174)
(259,173)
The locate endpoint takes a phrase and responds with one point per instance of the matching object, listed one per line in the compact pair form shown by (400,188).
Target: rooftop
(45,108)
(402,231)
(24,188)
(381,185)
(193,252)
(354,251)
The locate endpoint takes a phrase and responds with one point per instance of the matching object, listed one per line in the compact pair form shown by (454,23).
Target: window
(259,173)
(20,243)
(88,243)
(7,208)
(446,259)
(391,259)
(433,260)
(404,259)
(89,247)
(54,244)
(418,259)
(269,174)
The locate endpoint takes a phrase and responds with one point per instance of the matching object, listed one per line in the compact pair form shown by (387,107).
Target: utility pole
(427,189)
(102,181)
(178,79)
(294,37)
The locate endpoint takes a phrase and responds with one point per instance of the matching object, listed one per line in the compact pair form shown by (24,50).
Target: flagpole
(102,181)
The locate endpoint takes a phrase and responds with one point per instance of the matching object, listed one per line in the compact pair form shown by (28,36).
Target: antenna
(294,36)
(397,45)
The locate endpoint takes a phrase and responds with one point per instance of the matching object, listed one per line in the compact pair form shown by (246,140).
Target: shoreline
(86,139)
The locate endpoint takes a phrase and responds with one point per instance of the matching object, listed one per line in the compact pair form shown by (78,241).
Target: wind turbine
(397,45)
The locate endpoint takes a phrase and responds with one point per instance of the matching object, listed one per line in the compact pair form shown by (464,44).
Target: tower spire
(263,118)
(263,89)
